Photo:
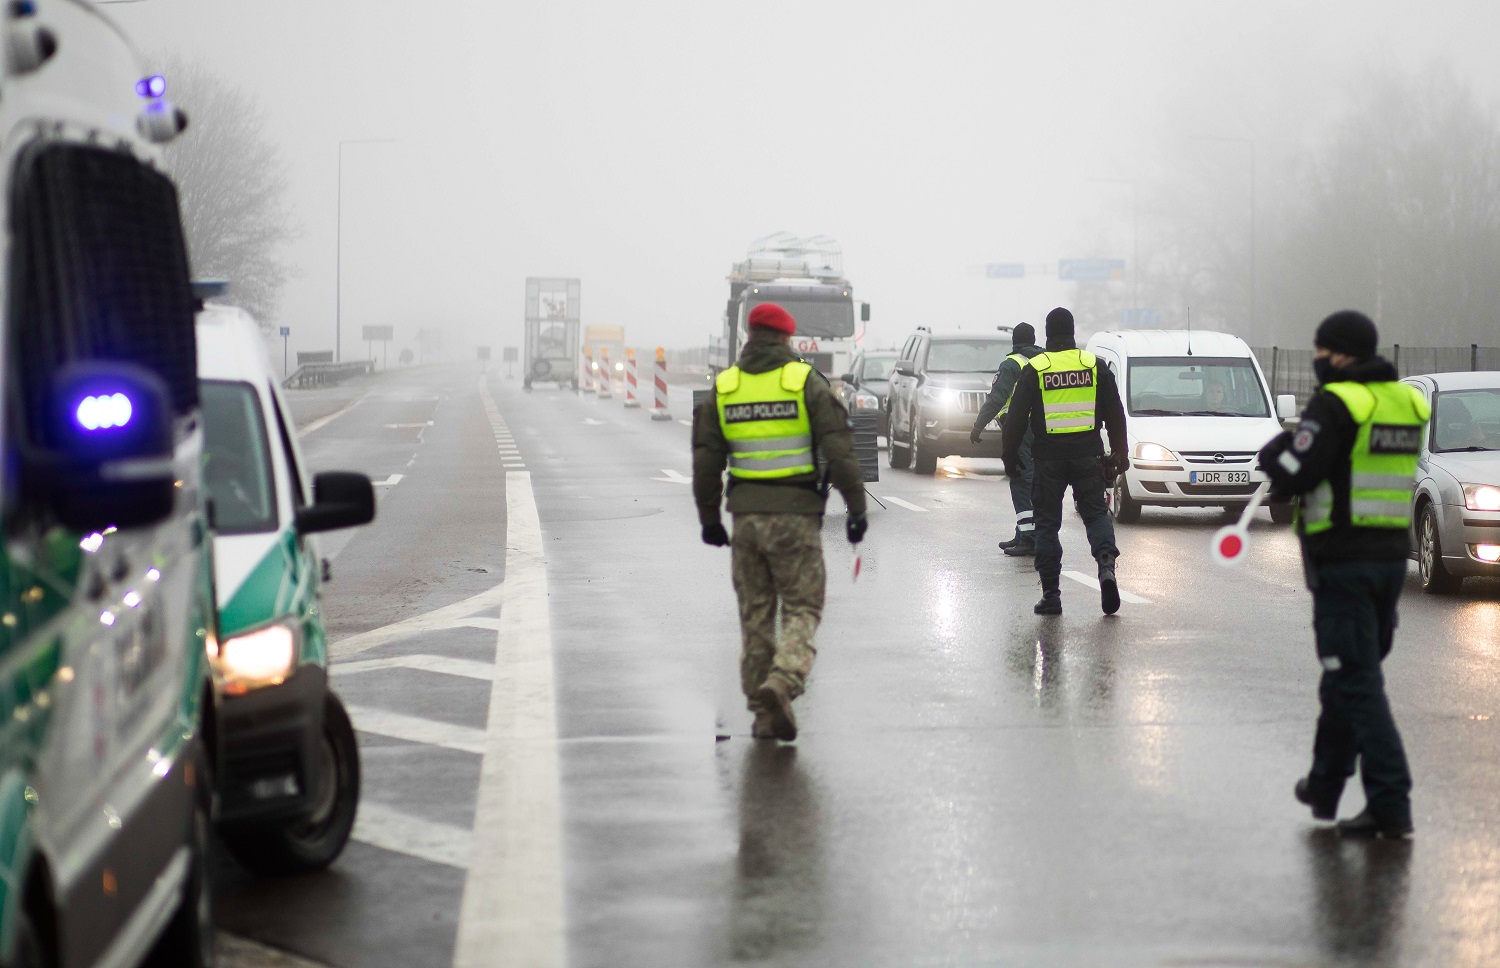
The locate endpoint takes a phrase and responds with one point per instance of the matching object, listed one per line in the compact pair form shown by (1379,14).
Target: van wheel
(28,948)
(188,941)
(1127,510)
(1283,513)
(1436,579)
(314,840)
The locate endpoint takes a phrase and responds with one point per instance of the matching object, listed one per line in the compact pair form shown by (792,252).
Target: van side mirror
(906,367)
(864,312)
(341,499)
(107,461)
(1286,407)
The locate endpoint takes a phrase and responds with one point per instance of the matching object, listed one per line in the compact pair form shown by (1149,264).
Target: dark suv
(937,388)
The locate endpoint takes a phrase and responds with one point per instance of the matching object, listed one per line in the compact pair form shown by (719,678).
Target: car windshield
(877,368)
(966,355)
(1196,386)
(1466,420)
(238,466)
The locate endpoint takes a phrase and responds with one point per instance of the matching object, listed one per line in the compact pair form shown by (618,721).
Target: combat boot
(1051,603)
(1365,825)
(1025,547)
(761,728)
(1109,589)
(777,701)
(1323,806)
(1007,545)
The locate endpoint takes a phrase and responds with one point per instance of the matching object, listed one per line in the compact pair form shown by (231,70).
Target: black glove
(1013,466)
(714,534)
(974,436)
(856,527)
(1116,464)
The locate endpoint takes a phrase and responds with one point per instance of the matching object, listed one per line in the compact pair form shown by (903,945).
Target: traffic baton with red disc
(1232,542)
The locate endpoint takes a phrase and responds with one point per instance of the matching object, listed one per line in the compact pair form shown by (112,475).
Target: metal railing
(1290,370)
(326,374)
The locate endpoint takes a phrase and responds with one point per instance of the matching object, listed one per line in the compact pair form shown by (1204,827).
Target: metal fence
(1290,370)
(327,374)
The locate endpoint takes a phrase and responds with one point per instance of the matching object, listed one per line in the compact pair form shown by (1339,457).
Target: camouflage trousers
(778,561)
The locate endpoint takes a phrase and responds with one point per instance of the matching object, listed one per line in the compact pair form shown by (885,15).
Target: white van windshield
(238,469)
(1196,386)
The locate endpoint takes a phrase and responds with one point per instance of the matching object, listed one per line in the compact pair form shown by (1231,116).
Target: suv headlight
(1154,453)
(256,659)
(941,396)
(866,401)
(1482,497)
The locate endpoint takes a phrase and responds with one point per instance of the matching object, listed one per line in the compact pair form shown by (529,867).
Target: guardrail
(326,374)
(1290,370)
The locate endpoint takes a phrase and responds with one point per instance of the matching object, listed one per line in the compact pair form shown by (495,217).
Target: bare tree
(233,185)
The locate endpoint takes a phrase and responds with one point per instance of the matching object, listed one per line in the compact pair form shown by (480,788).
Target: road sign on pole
(1091,270)
(1140,317)
(285,352)
(1005,270)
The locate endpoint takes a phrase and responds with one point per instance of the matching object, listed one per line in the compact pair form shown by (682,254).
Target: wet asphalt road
(973,786)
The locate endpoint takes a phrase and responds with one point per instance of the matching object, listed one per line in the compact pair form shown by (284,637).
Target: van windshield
(238,466)
(1196,386)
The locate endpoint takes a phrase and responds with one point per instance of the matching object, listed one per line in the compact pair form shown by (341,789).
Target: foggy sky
(641,146)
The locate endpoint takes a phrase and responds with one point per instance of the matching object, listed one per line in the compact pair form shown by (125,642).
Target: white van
(1198,409)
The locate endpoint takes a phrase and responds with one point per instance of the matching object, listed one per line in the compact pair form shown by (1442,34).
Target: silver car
(1456,518)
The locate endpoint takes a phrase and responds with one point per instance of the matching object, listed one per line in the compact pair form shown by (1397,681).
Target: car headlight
(1154,453)
(1482,497)
(866,401)
(260,658)
(941,396)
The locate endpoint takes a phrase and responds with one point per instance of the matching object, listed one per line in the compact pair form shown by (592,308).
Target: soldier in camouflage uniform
(771,420)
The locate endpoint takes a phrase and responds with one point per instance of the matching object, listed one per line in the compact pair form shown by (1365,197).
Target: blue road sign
(1005,270)
(1140,317)
(1091,270)
(286,331)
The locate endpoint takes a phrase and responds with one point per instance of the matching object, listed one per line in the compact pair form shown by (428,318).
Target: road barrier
(587,384)
(606,386)
(660,379)
(326,374)
(631,403)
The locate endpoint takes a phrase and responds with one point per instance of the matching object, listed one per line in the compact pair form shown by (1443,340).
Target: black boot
(1007,545)
(1109,589)
(1051,603)
(1323,806)
(1365,825)
(1025,547)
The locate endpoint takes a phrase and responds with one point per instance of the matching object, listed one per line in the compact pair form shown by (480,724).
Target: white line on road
(414,729)
(380,826)
(592,422)
(512,912)
(673,477)
(237,952)
(408,426)
(391,481)
(685,423)
(1093,583)
(322,422)
(900,503)
(426,663)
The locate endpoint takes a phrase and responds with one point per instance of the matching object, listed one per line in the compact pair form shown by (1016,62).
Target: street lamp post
(1250,143)
(338,260)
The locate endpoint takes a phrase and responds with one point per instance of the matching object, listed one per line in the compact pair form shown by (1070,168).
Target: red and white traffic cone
(587,383)
(606,377)
(660,413)
(631,403)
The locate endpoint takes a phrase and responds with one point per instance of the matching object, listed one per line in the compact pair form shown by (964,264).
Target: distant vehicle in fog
(937,387)
(867,385)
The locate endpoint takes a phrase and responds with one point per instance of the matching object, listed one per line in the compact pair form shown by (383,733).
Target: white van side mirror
(1286,407)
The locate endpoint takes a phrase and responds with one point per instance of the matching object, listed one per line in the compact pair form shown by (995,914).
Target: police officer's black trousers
(1085,475)
(1020,491)
(1354,618)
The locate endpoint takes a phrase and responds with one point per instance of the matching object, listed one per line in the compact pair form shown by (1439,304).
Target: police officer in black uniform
(1351,463)
(1064,399)
(1023,348)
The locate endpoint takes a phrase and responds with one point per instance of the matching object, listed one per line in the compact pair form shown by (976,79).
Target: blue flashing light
(104,412)
(154,86)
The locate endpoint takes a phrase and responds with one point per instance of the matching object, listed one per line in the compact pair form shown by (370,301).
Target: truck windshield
(826,318)
(966,356)
(1196,386)
(238,468)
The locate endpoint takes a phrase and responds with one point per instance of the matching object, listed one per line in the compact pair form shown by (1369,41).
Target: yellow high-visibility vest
(1070,391)
(1383,462)
(764,419)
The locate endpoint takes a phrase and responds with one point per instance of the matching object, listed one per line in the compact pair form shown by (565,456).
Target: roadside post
(286,331)
(512,354)
(660,380)
(606,386)
(631,403)
(587,383)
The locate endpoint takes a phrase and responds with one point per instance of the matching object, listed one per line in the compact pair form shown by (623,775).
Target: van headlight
(1154,454)
(1482,497)
(256,659)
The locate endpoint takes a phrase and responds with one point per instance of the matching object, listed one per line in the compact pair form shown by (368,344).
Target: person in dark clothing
(1023,346)
(1352,463)
(1064,399)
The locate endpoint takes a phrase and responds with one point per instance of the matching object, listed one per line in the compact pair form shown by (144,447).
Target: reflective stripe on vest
(1070,390)
(1383,462)
(1021,361)
(765,422)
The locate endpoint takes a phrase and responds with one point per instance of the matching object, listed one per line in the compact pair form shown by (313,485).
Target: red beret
(772,316)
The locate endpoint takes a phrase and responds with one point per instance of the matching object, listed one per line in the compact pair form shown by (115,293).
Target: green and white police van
(106,596)
(288,766)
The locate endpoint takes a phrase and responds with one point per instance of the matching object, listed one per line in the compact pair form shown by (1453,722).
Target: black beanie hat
(1348,332)
(1059,323)
(1023,335)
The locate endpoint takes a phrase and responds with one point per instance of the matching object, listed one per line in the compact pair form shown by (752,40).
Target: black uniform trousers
(1085,475)
(1020,491)
(1354,619)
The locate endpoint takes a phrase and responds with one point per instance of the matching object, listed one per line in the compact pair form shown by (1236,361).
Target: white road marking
(380,826)
(512,912)
(458,615)
(391,481)
(673,477)
(905,504)
(685,423)
(426,663)
(322,422)
(414,729)
(592,422)
(408,426)
(1093,583)
(237,952)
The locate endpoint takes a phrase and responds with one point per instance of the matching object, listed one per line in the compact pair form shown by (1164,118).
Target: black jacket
(1026,413)
(1297,462)
(1005,381)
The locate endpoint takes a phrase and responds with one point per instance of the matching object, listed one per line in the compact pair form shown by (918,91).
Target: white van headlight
(260,658)
(1154,453)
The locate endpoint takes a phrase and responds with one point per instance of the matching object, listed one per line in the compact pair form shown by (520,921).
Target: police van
(107,611)
(288,774)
